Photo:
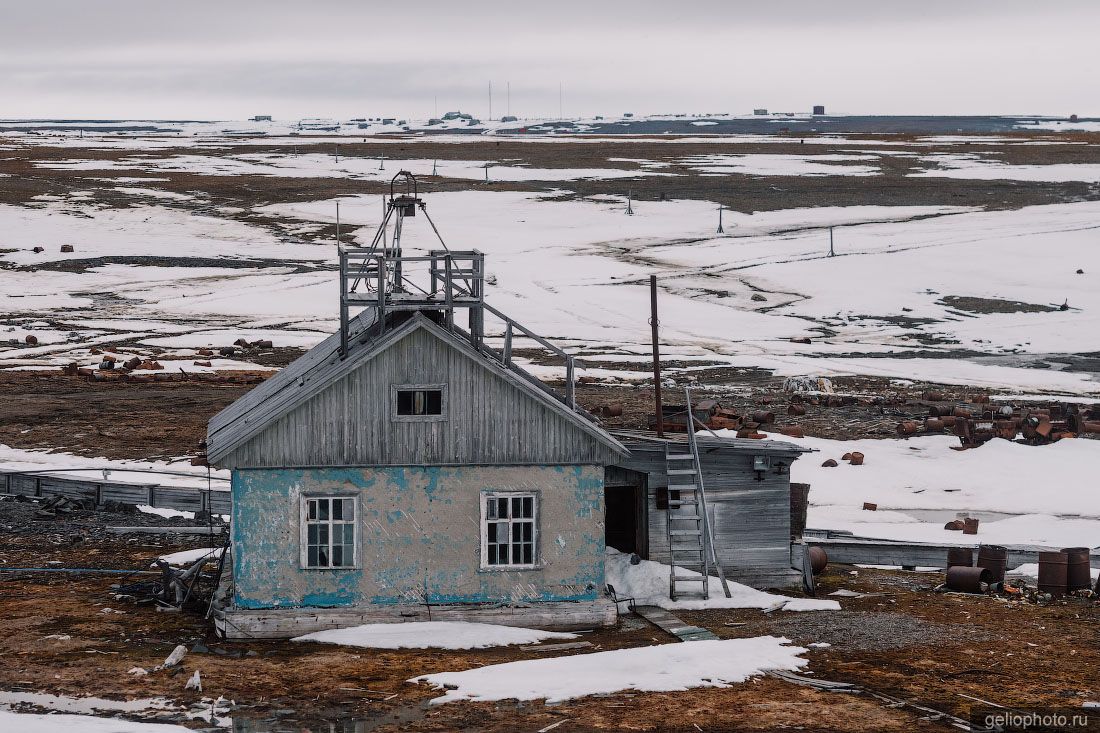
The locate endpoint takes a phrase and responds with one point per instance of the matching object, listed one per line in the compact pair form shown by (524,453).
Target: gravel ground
(868,630)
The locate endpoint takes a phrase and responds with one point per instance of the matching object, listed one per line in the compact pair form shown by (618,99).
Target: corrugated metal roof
(322,365)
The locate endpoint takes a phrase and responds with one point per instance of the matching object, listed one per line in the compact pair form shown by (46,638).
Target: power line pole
(832,253)
(720,229)
(656,356)
(629,208)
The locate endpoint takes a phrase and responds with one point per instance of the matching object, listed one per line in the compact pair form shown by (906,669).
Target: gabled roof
(321,366)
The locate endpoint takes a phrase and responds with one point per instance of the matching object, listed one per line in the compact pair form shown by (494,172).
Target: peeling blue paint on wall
(418,536)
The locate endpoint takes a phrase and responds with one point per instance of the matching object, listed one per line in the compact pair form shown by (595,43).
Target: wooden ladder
(690,536)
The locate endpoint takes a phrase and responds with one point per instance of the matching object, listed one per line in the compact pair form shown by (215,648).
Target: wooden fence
(181,498)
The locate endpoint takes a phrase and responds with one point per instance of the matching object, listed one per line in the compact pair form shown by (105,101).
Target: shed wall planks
(489,420)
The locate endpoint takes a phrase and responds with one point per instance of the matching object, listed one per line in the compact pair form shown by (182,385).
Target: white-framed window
(419,402)
(328,532)
(509,530)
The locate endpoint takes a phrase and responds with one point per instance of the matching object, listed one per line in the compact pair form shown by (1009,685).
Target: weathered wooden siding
(751,519)
(490,420)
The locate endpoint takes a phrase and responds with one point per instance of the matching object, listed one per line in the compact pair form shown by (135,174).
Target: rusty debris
(819,559)
(870,506)
(994,558)
(1053,573)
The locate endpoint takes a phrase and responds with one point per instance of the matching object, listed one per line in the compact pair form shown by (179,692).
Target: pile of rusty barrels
(1061,572)
(964,576)
(1064,571)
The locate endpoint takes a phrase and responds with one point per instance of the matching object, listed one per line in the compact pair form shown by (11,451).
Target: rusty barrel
(908,427)
(818,559)
(970,526)
(994,558)
(1078,575)
(967,579)
(960,556)
(1052,572)
(796,409)
(763,417)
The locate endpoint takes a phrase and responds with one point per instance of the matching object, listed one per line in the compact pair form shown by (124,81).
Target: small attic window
(419,402)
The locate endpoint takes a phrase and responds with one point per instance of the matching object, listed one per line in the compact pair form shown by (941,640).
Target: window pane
(404,402)
(349,534)
(322,508)
(491,509)
(502,554)
(349,509)
(491,532)
(312,508)
(337,555)
(337,508)
(517,532)
(528,507)
(502,507)
(528,554)
(528,530)
(433,402)
(322,534)
(312,556)
(517,506)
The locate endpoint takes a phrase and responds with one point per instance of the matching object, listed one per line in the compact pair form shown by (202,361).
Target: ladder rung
(680,457)
(676,517)
(683,487)
(685,532)
(689,578)
(680,471)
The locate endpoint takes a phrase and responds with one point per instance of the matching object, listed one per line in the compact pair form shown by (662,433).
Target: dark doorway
(625,518)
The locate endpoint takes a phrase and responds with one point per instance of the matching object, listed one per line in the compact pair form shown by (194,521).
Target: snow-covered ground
(137,472)
(576,271)
(432,635)
(647,583)
(1021,494)
(663,668)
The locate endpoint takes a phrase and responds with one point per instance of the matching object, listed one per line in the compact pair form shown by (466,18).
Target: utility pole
(720,229)
(653,322)
(831,252)
(434,162)
(336,153)
(382,162)
(337,223)
(629,208)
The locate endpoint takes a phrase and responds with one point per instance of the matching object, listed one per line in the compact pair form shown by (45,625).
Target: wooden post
(656,355)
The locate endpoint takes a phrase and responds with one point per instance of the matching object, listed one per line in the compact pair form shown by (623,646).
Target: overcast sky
(231,59)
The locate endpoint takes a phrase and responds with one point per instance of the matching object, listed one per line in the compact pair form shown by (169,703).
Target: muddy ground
(906,641)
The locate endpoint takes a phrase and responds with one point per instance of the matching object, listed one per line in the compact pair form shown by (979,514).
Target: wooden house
(404,470)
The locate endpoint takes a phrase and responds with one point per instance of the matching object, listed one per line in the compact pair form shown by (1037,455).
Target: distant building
(1073,118)
(262,118)
(628,114)
(509,118)
(819,109)
(760,111)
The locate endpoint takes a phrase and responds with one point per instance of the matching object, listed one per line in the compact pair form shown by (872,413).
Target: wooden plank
(557,647)
(286,623)
(214,530)
(665,621)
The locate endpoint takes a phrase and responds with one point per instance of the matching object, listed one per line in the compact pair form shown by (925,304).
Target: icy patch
(432,635)
(664,668)
(49,723)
